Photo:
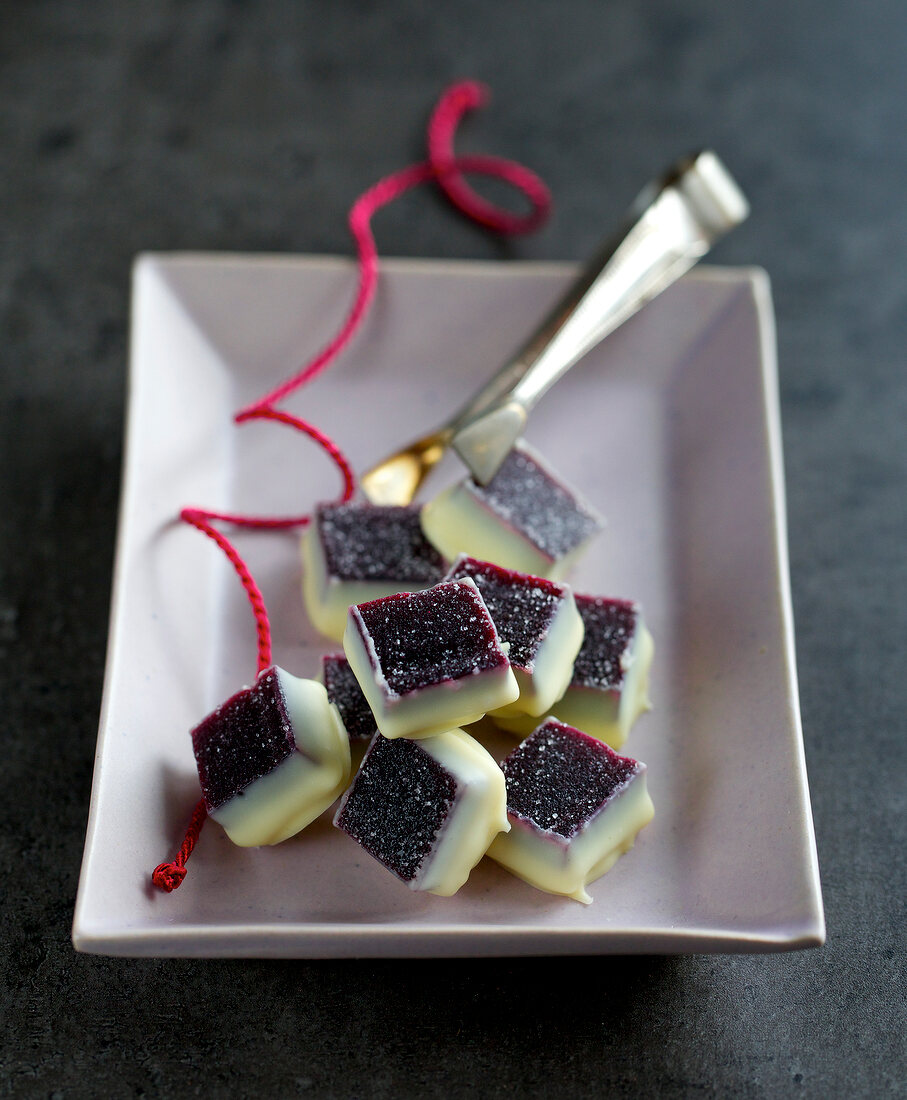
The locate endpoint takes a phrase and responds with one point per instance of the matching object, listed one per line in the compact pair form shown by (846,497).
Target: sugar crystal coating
(533,501)
(522,606)
(610,626)
(425,638)
(397,804)
(376,543)
(243,739)
(559,778)
(345,693)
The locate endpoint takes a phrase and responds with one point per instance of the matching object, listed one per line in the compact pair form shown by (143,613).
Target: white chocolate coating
(457,522)
(546,682)
(477,816)
(328,599)
(430,710)
(282,803)
(464,519)
(559,865)
(607,715)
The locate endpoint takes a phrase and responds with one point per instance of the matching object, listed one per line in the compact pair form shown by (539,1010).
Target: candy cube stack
(426,654)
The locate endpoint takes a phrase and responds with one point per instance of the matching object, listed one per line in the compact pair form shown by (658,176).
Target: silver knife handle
(672,224)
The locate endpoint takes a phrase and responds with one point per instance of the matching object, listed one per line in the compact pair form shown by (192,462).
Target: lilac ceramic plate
(670,428)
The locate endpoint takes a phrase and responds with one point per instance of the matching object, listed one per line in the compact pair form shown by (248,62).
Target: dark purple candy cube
(367,542)
(560,778)
(244,739)
(399,800)
(345,693)
(610,627)
(522,606)
(425,638)
(532,500)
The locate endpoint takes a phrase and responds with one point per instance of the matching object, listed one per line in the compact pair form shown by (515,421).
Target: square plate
(671,428)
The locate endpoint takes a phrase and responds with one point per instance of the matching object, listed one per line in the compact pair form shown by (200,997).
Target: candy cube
(426,809)
(574,807)
(272,758)
(525,518)
(353,553)
(428,661)
(345,693)
(538,619)
(610,684)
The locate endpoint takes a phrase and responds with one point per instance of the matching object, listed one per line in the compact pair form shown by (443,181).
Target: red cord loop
(448,171)
(268,412)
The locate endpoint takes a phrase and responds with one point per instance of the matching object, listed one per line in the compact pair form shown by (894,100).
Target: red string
(201,520)
(448,171)
(282,522)
(168,876)
(451,169)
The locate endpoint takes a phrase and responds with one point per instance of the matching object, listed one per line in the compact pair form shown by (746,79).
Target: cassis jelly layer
(398,802)
(559,778)
(609,689)
(610,628)
(427,810)
(574,807)
(538,620)
(369,542)
(245,738)
(345,693)
(353,553)
(428,661)
(286,793)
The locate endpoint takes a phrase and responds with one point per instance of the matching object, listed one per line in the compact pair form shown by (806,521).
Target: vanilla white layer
(328,599)
(457,522)
(281,803)
(605,714)
(429,710)
(608,715)
(477,816)
(557,865)
(551,672)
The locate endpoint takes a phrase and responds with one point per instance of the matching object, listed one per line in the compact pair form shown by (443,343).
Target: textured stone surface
(227,125)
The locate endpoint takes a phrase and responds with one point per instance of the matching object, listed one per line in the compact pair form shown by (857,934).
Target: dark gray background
(206,124)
